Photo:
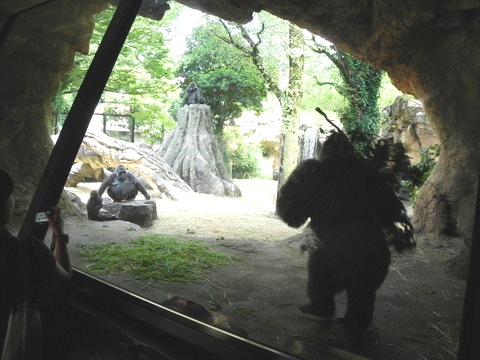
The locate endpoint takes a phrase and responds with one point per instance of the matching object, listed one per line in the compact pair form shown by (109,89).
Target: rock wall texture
(430,49)
(192,151)
(37,51)
(407,123)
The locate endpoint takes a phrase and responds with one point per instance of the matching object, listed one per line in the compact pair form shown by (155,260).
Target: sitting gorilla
(122,185)
(193,95)
(94,208)
(351,210)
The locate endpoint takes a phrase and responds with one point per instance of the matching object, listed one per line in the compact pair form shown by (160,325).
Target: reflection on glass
(203,238)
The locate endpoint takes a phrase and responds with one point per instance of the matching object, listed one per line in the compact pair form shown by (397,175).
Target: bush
(241,155)
(245,162)
(421,171)
(428,159)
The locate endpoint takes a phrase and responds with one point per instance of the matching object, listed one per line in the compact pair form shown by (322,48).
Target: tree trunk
(193,153)
(99,150)
(292,103)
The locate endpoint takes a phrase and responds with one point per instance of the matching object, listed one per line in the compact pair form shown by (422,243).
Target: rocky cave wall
(37,51)
(405,122)
(429,48)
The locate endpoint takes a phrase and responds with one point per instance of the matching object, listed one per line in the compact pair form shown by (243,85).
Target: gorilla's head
(121,172)
(337,146)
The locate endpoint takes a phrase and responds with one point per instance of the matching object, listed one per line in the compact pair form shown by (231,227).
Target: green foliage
(242,155)
(388,92)
(274,45)
(154,257)
(143,76)
(152,119)
(361,116)
(227,78)
(428,158)
(326,96)
(421,171)
(359,84)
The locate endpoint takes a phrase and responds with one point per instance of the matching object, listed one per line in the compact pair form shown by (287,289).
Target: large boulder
(140,212)
(406,122)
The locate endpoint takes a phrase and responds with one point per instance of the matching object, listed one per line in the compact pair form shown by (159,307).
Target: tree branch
(321,49)
(254,53)
(338,58)
(321,83)
(345,67)
(229,39)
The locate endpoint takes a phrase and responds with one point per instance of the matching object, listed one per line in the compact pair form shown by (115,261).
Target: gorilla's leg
(360,304)
(319,287)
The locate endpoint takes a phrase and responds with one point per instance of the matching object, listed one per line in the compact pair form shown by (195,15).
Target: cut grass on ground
(154,257)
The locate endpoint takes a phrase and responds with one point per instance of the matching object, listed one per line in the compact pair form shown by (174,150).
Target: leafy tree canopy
(142,81)
(228,80)
(359,84)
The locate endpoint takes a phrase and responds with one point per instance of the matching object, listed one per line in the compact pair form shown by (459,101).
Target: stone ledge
(140,212)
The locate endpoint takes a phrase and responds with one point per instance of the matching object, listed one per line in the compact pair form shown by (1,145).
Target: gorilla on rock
(193,95)
(122,185)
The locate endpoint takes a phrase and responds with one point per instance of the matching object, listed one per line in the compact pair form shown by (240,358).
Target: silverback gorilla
(352,211)
(122,185)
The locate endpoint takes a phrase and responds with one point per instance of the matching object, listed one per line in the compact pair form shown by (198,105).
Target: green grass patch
(154,257)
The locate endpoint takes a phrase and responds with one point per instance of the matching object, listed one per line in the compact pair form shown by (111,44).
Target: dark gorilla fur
(352,210)
(193,95)
(94,208)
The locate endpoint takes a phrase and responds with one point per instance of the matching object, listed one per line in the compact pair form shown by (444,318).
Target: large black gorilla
(352,211)
(122,185)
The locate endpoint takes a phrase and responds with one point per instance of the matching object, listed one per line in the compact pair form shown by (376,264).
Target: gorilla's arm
(295,198)
(138,185)
(106,183)
(391,213)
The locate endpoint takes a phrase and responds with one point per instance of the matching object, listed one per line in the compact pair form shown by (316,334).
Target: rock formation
(140,212)
(407,123)
(193,153)
(101,151)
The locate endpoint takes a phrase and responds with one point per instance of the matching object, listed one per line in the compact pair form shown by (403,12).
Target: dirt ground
(418,308)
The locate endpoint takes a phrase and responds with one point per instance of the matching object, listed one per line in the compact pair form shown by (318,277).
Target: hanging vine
(361,87)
